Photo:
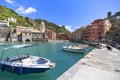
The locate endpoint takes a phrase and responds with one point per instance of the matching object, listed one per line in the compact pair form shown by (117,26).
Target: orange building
(93,32)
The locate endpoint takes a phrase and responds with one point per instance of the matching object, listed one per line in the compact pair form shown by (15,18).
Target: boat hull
(22,70)
(75,50)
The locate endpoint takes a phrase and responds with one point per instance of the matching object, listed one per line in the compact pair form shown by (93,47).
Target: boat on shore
(24,64)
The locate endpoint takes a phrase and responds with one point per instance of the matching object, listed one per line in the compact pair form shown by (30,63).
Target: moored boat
(23,64)
(74,48)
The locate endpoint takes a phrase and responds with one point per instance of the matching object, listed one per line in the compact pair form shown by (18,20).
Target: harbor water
(53,51)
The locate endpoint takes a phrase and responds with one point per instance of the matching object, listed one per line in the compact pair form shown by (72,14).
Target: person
(113,44)
(99,46)
(109,47)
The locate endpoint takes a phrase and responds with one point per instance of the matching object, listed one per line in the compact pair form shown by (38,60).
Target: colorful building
(4,23)
(31,34)
(94,31)
(77,35)
(63,36)
(4,30)
(51,34)
(20,29)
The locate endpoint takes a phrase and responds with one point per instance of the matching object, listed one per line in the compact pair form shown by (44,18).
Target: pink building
(63,36)
(51,34)
(93,32)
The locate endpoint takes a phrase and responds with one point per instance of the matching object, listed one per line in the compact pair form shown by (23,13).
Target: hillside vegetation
(114,33)
(28,22)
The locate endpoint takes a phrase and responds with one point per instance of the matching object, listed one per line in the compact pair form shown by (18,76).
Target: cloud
(60,25)
(29,10)
(77,27)
(20,9)
(69,28)
(9,1)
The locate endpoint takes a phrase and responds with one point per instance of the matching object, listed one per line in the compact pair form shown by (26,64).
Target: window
(25,33)
(29,34)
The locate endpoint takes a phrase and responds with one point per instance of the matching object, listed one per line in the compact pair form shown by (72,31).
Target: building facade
(31,34)
(77,35)
(93,32)
(63,36)
(51,34)
(4,30)
(4,23)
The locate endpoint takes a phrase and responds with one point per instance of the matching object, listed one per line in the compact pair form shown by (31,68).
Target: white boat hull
(32,64)
(75,50)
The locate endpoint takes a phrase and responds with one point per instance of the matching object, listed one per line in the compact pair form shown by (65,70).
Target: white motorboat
(75,48)
(23,64)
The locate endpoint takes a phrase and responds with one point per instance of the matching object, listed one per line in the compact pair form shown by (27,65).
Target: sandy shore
(99,64)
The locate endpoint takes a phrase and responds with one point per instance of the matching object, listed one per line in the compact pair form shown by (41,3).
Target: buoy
(20,71)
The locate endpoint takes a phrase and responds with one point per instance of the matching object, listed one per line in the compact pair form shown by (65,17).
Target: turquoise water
(53,51)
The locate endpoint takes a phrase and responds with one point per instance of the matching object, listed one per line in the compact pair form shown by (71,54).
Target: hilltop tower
(109,14)
(42,27)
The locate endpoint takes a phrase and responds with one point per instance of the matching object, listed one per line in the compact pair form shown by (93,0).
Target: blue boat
(24,64)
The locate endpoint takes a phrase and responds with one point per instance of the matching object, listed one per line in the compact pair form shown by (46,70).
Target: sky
(72,14)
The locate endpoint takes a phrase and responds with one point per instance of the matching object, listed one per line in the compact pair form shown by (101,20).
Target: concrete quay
(57,41)
(99,64)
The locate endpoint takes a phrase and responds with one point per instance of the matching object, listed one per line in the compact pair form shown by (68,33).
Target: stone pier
(99,64)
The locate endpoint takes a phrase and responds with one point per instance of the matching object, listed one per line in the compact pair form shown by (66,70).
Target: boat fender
(3,67)
(20,71)
(13,69)
(52,65)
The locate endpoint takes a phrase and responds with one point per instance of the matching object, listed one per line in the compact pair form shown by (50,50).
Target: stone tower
(109,14)
(42,27)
